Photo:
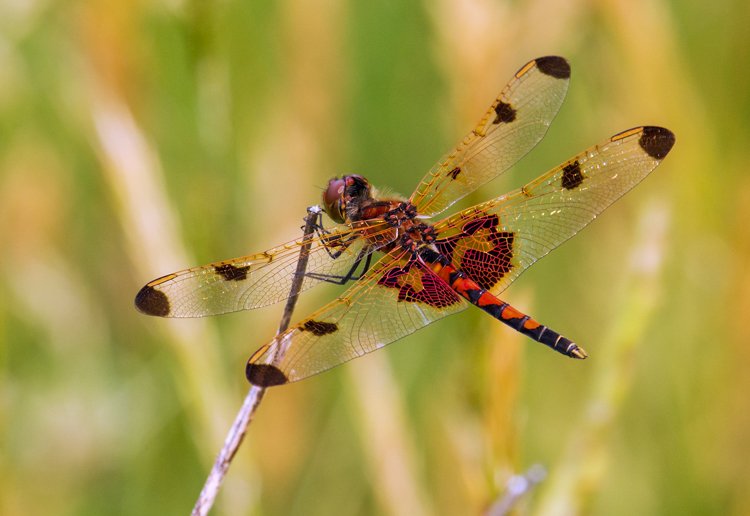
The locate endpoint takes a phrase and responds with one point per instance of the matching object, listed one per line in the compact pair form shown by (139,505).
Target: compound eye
(333,199)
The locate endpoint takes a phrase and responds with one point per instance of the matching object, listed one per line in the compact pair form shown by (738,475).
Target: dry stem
(252,400)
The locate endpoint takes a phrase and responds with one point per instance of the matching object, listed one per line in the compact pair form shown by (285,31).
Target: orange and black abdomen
(479,297)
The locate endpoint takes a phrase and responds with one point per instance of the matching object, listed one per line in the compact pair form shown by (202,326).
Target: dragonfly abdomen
(503,312)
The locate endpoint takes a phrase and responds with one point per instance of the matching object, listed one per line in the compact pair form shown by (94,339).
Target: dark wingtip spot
(572,176)
(656,141)
(152,302)
(505,113)
(319,328)
(554,66)
(265,375)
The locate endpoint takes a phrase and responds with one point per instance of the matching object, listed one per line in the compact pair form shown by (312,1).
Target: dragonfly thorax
(353,199)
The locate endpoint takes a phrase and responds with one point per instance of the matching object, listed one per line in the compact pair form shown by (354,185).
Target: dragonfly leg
(349,276)
(329,241)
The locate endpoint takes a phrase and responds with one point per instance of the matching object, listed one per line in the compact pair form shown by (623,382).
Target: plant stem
(252,400)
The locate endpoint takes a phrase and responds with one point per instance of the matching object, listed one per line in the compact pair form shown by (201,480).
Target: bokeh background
(138,138)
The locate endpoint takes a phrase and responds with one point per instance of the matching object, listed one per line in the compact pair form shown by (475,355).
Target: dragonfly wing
(494,242)
(398,296)
(514,124)
(261,279)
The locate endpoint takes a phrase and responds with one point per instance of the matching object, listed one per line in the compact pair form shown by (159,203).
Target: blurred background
(139,138)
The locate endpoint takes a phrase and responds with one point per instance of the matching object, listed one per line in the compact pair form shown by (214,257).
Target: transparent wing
(261,279)
(398,296)
(514,124)
(494,242)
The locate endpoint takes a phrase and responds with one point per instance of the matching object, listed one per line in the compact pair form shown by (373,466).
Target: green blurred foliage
(139,138)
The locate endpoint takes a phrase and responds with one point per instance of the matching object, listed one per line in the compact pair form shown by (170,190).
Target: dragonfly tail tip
(577,352)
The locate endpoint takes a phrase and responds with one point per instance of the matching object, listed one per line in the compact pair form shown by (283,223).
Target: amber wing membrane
(261,279)
(514,124)
(494,242)
(398,296)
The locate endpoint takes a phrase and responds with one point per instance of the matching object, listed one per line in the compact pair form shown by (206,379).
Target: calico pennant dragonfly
(428,271)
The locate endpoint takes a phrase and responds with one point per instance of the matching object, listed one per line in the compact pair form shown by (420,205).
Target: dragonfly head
(344,196)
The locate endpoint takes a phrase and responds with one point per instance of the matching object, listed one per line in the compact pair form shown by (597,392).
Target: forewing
(494,242)
(261,279)
(398,296)
(514,124)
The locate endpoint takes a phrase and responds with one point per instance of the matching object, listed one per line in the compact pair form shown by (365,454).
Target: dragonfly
(425,270)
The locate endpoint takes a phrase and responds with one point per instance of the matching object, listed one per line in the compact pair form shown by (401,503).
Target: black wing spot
(572,176)
(265,375)
(454,173)
(656,141)
(319,328)
(152,302)
(505,113)
(554,66)
(231,273)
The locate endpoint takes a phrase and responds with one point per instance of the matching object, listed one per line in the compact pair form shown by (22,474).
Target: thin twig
(252,401)
(517,486)
(313,213)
